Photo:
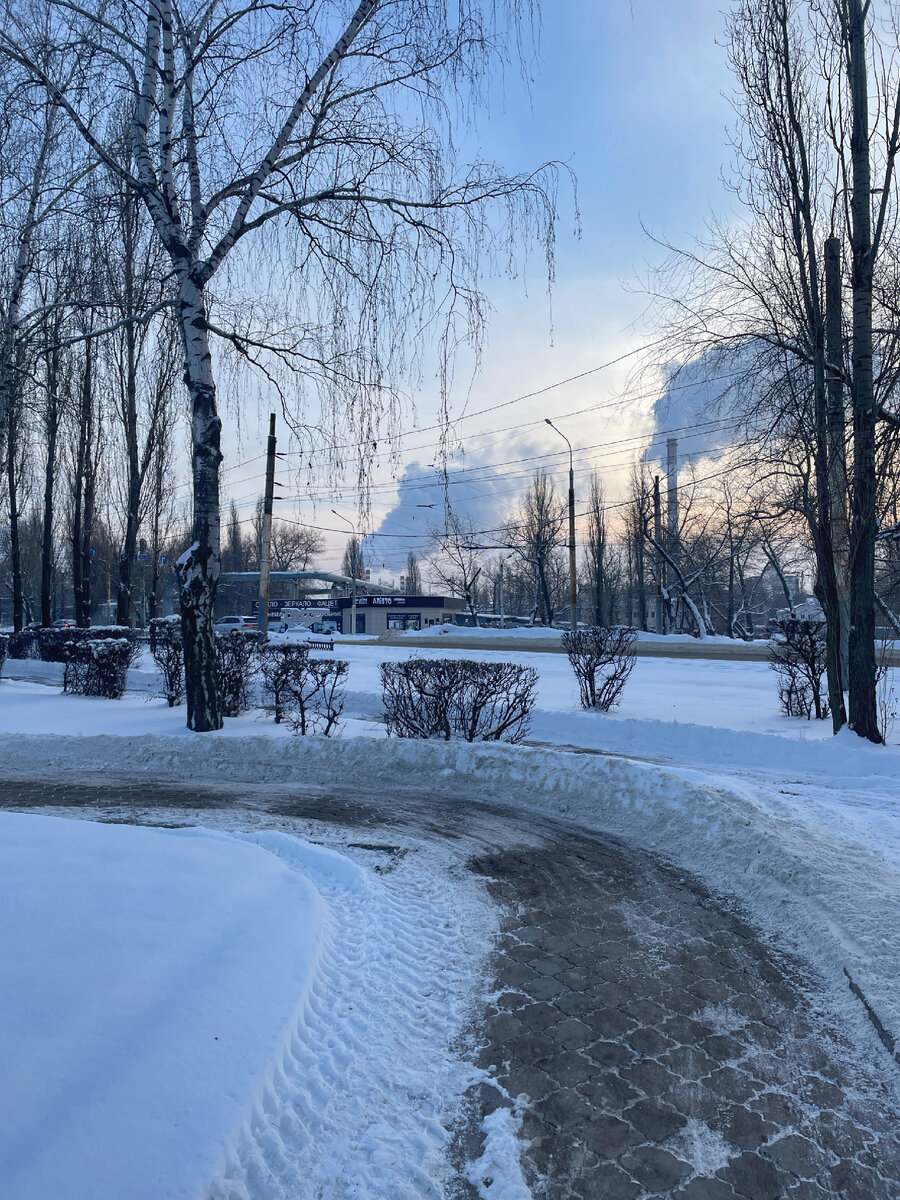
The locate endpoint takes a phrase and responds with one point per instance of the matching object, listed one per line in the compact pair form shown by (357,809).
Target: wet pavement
(658,1044)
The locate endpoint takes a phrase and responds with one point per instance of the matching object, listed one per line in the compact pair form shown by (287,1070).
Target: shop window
(360,622)
(404,621)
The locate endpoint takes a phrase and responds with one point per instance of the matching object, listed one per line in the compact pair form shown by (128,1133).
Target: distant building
(379,614)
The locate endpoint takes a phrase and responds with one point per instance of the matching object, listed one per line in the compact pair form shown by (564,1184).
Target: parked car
(276,625)
(64,623)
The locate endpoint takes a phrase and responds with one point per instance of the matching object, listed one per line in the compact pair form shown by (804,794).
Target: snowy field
(170,997)
(800,828)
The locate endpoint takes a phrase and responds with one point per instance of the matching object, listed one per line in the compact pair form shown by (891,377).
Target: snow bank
(149,979)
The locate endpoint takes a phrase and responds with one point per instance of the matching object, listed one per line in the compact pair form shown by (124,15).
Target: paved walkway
(661,1047)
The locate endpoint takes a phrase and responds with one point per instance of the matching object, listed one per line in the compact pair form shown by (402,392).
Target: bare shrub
(281,667)
(167,648)
(886,689)
(602,658)
(458,699)
(316,696)
(97,668)
(237,658)
(797,656)
(416,695)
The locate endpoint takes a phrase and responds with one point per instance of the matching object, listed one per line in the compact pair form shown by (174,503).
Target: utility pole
(502,614)
(573,576)
(672,493)
(265,552)
(657,534)
(355,565)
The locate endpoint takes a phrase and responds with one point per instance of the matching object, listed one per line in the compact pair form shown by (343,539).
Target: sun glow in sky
(632,96)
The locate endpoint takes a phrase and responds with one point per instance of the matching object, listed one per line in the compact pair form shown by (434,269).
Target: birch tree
(350,168)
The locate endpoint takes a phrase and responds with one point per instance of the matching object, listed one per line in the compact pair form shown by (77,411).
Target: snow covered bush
(797,656)
(22,645)
(4,643)
(315,696)
(53,643)
(237,660)
(282,667)
(458,699)
(602,659)
(167,648)
(97,668)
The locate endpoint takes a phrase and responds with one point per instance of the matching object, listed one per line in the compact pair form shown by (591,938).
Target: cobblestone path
(664,1049)
(659,1045)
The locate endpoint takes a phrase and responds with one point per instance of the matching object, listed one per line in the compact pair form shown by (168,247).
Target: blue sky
(630,94)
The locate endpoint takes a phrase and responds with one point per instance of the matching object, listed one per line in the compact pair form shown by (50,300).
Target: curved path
(660,1047)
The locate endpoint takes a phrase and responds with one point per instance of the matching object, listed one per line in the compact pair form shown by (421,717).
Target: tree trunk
(199,565)
(51,426)
(863,702)
(837,445)
(15,549)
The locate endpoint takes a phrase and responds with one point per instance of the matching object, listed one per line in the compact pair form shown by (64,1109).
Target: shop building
(381,614)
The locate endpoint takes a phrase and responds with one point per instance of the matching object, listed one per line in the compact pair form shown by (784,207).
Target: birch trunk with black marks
(199,567)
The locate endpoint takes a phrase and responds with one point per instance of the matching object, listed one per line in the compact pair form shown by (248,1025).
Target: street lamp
(573,579)
(352,572)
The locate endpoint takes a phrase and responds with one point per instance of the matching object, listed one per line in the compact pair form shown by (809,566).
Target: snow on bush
(97,668)
(52,643)
(22,645)
(4,643)
(602,659)
(797,656)
(458,699)
(167,648)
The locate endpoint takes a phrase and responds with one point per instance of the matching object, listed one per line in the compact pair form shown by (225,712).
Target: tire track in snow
(360,1101)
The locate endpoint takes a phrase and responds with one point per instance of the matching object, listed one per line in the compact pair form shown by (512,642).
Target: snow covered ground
(189,1013)
(697,765)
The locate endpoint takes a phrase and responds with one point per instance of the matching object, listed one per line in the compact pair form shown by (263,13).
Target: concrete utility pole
(657,535)
(354,566)
(672,495)
(265,553)
(573,576)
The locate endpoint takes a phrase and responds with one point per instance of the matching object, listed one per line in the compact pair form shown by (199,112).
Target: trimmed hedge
(458,699)
(52,643)
(97,668)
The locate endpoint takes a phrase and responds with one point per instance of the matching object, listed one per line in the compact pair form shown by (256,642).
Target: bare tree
(456,561)
(353,564)
(598,556)
(413,575)
(383,222)
(536,531)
